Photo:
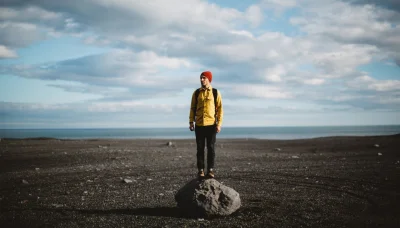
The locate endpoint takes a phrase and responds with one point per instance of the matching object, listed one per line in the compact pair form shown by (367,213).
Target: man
(207,115)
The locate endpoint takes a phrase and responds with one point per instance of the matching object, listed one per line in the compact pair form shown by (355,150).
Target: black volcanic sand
(323,182)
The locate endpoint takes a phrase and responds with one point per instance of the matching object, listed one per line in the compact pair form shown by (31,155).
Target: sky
(131,63)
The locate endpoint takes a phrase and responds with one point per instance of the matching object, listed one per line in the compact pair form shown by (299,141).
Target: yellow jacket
(205,112)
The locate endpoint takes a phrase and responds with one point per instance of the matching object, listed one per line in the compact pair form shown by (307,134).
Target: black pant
(204,133)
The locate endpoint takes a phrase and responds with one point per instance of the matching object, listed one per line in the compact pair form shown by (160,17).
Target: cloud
(132,17)
(29,13)
(314,81)
(260,91)
(117,75)
(342,60)
(368,83)
(95,114)
(278,5)
(6,53)
(15,34)
(352,24)
(124,67)
(22,26)
(254,15)
(388,4)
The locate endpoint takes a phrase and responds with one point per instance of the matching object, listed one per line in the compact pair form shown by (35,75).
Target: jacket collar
(208,88)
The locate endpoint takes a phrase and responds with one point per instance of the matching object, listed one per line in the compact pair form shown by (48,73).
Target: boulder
(207,198)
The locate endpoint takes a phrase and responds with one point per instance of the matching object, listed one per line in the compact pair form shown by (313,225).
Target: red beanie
(208,75)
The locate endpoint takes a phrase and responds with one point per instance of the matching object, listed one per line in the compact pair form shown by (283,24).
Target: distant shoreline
(272,133)
(122,128)
(190,139)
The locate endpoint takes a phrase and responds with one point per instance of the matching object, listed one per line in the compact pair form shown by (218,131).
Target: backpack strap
(215,94)
(196,95)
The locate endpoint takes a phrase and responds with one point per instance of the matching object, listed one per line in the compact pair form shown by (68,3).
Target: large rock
(207,198)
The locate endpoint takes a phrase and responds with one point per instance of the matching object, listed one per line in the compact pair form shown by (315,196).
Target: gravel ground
(322,182)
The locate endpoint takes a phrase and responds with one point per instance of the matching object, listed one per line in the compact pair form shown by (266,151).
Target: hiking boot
(200,174)
(210,174)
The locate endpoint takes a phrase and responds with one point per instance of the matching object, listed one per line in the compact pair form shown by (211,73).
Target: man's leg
(200,142)
(211,138)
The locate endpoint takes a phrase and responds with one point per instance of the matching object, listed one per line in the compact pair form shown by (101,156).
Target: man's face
(204,81)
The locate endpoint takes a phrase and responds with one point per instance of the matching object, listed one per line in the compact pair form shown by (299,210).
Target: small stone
(379,154)
(37,169)
(295,156)
(169,143)
(200,219)
(57,205)
(127,181)
(85,192)
(277,149)
(161,194)
(25,182)
(376,145)
(148,179)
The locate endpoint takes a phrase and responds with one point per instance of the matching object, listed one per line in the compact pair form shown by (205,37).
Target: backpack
(215,94)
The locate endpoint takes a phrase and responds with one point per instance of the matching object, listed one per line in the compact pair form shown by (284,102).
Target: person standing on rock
(205,118)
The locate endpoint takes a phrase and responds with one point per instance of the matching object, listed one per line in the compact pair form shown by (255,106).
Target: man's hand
(191,127)
(218,129)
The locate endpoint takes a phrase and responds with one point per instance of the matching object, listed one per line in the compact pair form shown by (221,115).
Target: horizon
(120,128)
(276,63)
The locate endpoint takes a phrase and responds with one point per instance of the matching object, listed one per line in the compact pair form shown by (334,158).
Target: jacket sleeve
(220,110)
(192,106)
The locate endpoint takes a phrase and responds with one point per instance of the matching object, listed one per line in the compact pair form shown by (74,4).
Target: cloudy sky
(132,63)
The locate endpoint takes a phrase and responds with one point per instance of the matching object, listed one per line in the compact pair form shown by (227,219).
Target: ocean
(184,133)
